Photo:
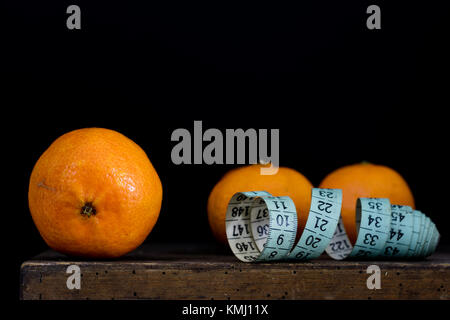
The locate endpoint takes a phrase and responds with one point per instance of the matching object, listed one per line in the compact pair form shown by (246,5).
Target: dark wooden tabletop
(208,271)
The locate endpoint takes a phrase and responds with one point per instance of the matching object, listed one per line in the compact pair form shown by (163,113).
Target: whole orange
(286,182)
(366,180)
(94,193)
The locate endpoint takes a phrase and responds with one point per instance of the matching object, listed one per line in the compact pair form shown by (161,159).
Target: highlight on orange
(286,182)
(366,180)
(94,193)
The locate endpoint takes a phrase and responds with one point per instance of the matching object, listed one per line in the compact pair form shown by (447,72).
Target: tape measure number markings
(237,223)
(279,217)
(261,227)
(322,221)
(401,232)
(373,221)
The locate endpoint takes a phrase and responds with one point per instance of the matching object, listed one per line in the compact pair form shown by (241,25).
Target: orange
(366,180)
(94,193)
(286,182)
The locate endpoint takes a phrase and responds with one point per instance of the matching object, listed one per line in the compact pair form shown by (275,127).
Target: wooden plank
(208,272)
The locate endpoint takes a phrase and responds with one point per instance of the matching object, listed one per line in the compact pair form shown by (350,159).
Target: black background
(338,92)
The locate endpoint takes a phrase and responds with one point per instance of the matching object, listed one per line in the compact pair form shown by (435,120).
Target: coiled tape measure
(262,227)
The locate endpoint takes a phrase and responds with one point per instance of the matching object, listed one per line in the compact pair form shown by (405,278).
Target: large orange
(94,193)
(286,182)
(366,180)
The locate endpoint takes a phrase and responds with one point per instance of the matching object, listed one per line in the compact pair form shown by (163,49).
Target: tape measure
(262,227)
(320,227)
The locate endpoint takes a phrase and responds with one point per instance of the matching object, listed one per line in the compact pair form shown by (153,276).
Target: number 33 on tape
(261,227)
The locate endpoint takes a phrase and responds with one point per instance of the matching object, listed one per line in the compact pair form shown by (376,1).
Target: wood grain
(194,271)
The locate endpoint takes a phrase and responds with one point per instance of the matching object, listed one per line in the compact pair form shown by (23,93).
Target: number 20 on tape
(261,227)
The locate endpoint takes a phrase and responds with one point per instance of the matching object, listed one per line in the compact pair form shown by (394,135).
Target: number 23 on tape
(261,227)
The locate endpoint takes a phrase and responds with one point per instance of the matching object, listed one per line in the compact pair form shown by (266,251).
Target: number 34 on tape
(261,227)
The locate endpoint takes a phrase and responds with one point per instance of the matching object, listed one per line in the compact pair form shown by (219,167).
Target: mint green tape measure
(401,232)
(373,219)
(261,227)
(321,223)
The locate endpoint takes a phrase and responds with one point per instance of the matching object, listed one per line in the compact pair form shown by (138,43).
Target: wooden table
(199,271)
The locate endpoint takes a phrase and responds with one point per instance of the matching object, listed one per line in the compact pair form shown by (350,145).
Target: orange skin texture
(102,167)
(286,182)
(366,180)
